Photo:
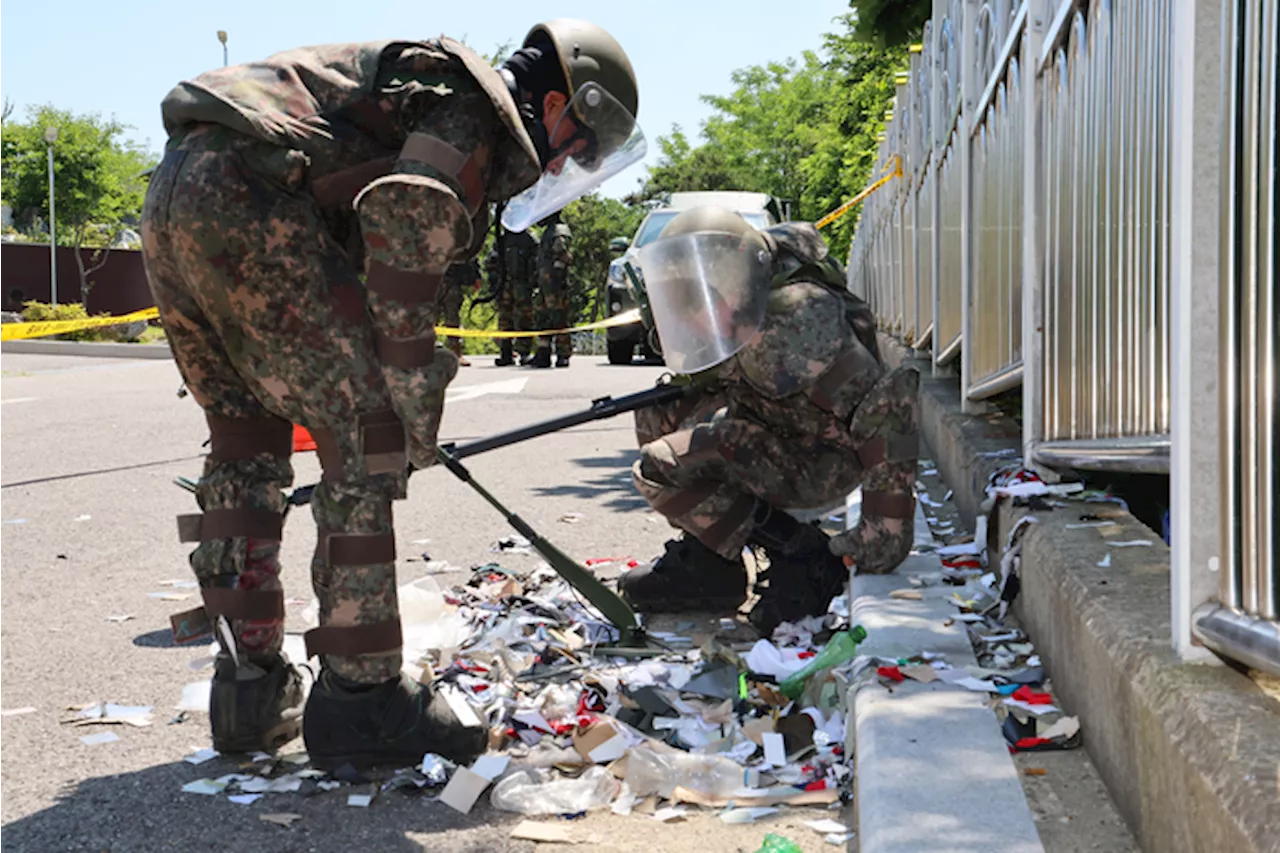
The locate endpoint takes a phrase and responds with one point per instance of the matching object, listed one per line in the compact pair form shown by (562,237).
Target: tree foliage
(890,23)
(98,188)
(594,221)
(801,130)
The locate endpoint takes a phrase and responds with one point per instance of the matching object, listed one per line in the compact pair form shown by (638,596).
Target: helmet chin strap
(531,115)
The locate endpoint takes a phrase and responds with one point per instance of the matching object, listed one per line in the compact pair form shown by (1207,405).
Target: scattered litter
(207,787)
(464,789)
(16,521)
(284,819)
(109,713)
(838,839)
(670,813)
(83,517)
(749,815)
(537,791)
(1105,562)
(1065,728)
(328,784)
(195,697)
(200,756)
(14,712)
(826,826)
(1132,543)
(124,617)
(513,544)
(491,766)
(919,672)
(99,738)
(1035,771)
(169,596)
(1087,524)
(906,594)
(244,799)
(359,800)
(547,833)
(181,584)
(571,517)
(778,844)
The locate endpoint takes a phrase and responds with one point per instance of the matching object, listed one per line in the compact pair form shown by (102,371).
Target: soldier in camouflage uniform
(295,236)
(554,258)
(793,416)
(514,293)
(458,279)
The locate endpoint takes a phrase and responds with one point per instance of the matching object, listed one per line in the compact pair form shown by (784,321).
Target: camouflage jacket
(429,125)
(815,356)
(519,263)
(554,257)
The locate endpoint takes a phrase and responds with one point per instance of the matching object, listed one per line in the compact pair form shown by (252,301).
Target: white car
(759,209)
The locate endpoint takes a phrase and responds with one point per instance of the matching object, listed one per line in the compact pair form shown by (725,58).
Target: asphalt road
(90,449)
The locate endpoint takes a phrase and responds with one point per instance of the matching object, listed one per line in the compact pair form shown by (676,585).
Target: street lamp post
(51,136)
(222,37)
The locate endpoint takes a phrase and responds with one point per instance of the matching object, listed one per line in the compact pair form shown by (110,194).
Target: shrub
(41,312)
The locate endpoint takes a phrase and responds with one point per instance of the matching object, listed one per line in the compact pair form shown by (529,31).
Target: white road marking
(471,392)
(19,400)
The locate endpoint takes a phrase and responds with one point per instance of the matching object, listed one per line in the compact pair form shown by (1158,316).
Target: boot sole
(687,605)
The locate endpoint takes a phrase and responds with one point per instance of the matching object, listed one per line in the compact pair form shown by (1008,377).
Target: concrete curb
(930,760)
(88,348)
(1189,752)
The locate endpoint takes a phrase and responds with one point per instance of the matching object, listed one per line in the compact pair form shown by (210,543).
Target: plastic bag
(650,771)
(535,792)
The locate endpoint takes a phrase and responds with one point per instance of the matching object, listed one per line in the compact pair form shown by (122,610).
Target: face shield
(596,137)
(708,292)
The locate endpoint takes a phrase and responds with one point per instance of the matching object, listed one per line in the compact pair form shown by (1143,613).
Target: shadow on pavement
(613,482)
(147,810)
(161,638)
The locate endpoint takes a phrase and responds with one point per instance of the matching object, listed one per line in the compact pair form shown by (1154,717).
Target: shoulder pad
(800,240)
(804,332)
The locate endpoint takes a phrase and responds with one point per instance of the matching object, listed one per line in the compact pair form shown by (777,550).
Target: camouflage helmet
(709,218)
(588,54)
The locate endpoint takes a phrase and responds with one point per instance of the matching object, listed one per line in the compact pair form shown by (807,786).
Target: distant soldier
(457,280)
(553,292)
(515,293)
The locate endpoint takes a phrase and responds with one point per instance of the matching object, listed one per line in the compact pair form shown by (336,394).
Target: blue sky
(121,58)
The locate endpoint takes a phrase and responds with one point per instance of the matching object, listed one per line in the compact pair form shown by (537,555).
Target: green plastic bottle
(842,647)
(779,844)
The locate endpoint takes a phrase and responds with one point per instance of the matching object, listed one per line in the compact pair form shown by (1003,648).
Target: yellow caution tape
(632,316)
(895,166)
(23,331)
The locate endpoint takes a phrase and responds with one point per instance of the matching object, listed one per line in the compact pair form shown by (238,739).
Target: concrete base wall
(1189,752)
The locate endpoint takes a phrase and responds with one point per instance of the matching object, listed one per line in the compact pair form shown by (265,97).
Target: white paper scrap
(200,756)
(359,800)
(826,826)
(208,787)
(1105,562)
(1033,710)
(461,707)
(1132,543)
(244,799)
(750,815)
(1064,728)
(490,766)
(775,751)
(669,813)
(464,788)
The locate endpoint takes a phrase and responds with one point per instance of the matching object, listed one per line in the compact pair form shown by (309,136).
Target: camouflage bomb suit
(515,293)
(458,279)
(554,302)
(799,418)
(282,182)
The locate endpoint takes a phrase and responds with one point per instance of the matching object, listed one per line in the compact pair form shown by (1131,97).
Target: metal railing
(944,251)
(1243,623)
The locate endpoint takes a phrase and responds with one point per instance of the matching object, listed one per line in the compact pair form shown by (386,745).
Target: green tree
(98,188)
(890,23)
(800,130)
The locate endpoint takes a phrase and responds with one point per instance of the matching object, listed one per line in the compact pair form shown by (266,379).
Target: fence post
(939,128)
(969,85)
(1038,12)
(1197,115)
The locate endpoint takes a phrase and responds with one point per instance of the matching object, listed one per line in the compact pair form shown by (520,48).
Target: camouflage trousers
(267,322)
(450,306)
(705,468)
(515,314)
(553,313)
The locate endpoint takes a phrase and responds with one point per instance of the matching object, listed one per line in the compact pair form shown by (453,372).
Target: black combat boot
(392,723)
(542,358)
(506,356)
(253,707)
(562,361)
(803,573)
(688,576)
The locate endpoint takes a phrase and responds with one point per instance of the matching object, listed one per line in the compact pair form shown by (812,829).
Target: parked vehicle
(760,209)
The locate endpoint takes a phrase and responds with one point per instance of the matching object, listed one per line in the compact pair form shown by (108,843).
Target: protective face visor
(708,292)
(605,140)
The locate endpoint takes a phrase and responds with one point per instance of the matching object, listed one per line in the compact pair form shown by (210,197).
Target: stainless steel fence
(946,249)
(1244,623)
